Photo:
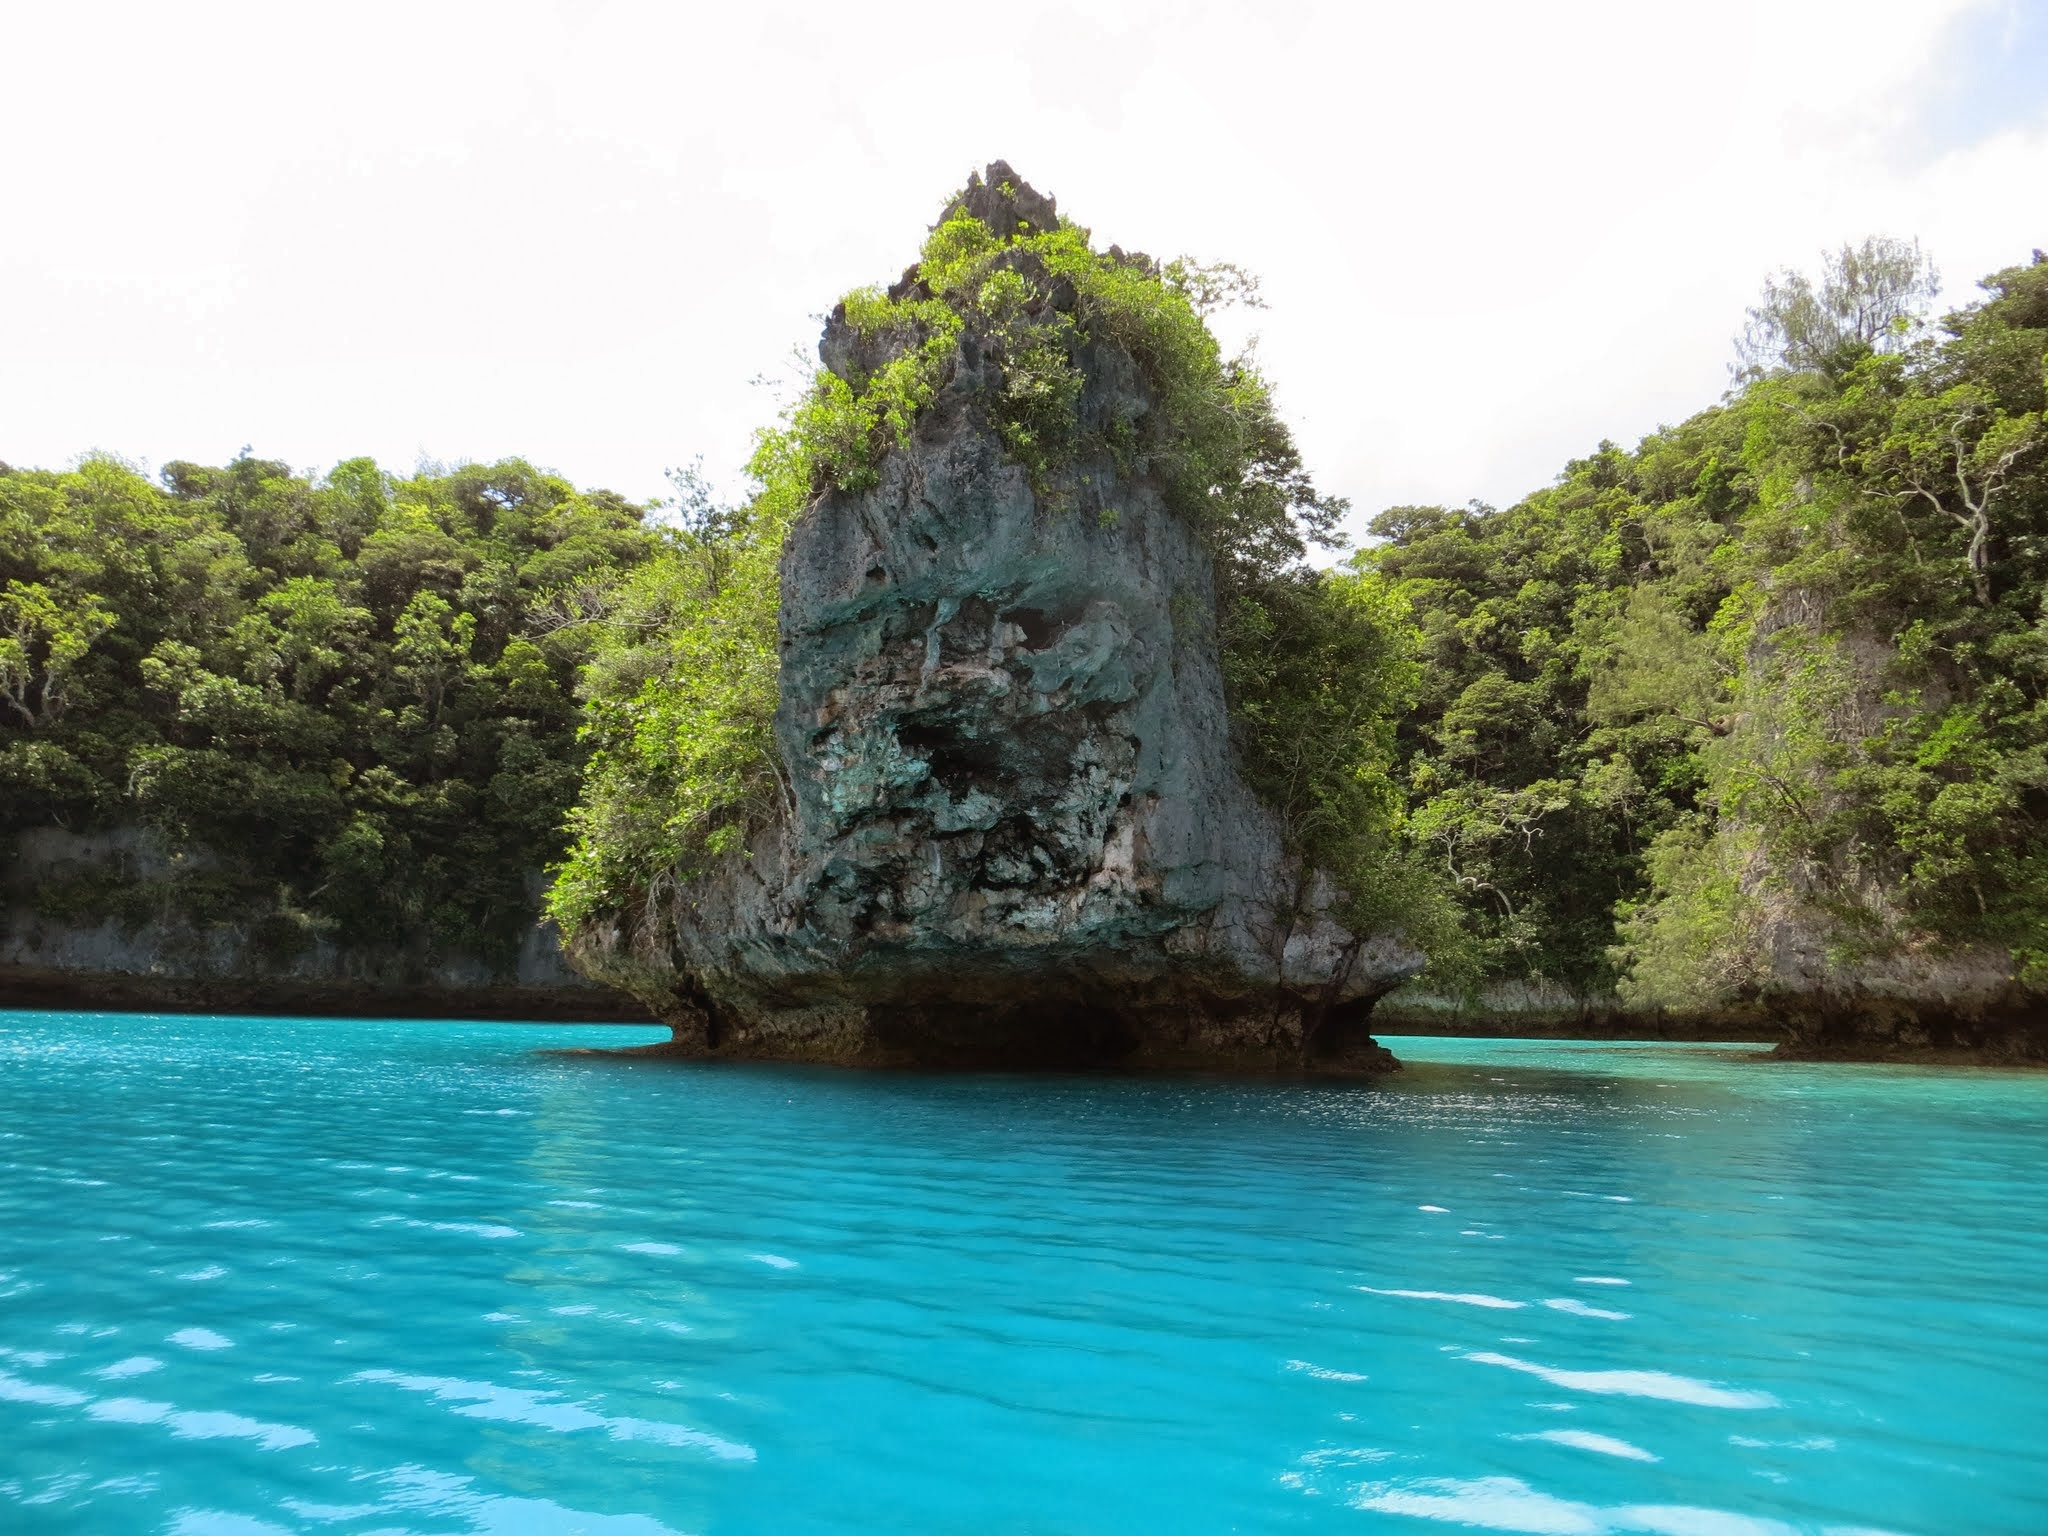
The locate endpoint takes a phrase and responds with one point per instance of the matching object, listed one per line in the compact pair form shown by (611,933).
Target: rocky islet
(1012,827)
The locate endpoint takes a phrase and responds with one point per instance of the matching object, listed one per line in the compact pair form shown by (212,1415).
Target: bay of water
(370,1277)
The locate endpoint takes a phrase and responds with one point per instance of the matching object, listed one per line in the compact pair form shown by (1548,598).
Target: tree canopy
(1785,657)
(348,697)
(1866,299)
(1788,656)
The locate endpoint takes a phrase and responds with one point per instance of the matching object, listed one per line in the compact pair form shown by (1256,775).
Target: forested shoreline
(1771,680)
(340,708)
(1755,706)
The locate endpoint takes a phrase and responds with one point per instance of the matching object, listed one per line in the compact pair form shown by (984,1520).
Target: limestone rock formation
(163,958)
(1012,828)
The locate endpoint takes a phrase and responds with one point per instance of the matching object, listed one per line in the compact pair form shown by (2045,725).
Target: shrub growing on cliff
(1034,298)
(680,696)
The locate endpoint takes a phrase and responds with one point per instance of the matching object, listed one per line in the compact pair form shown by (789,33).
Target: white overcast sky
(1491,234)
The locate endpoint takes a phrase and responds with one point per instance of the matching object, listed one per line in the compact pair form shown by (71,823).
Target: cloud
(1492,234)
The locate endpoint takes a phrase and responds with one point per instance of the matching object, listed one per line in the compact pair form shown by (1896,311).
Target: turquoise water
(372,1277)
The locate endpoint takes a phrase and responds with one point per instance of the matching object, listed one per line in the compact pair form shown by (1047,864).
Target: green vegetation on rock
(1317,664)
(680,697)
(344,707)
(1774,680)
(1780,669)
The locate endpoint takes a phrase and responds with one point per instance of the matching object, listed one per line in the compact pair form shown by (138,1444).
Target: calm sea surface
(358,1277)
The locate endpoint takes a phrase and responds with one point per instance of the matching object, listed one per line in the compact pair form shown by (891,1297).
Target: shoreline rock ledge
(1011,830)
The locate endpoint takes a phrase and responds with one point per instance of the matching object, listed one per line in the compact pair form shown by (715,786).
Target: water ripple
(1579,1308)
(369,1277)
(1463,1298)
(1509,1504)
(1660,1385)
(1587,1440)
(486,1400)
(195,1424)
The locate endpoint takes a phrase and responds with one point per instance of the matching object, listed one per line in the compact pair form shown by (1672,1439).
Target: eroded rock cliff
(1010,824)
(101,920)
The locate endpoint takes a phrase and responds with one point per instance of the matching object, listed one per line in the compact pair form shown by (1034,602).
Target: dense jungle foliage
(1317,663)
(1781,664)
(1780,668)
(1786,663)
(346,707)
